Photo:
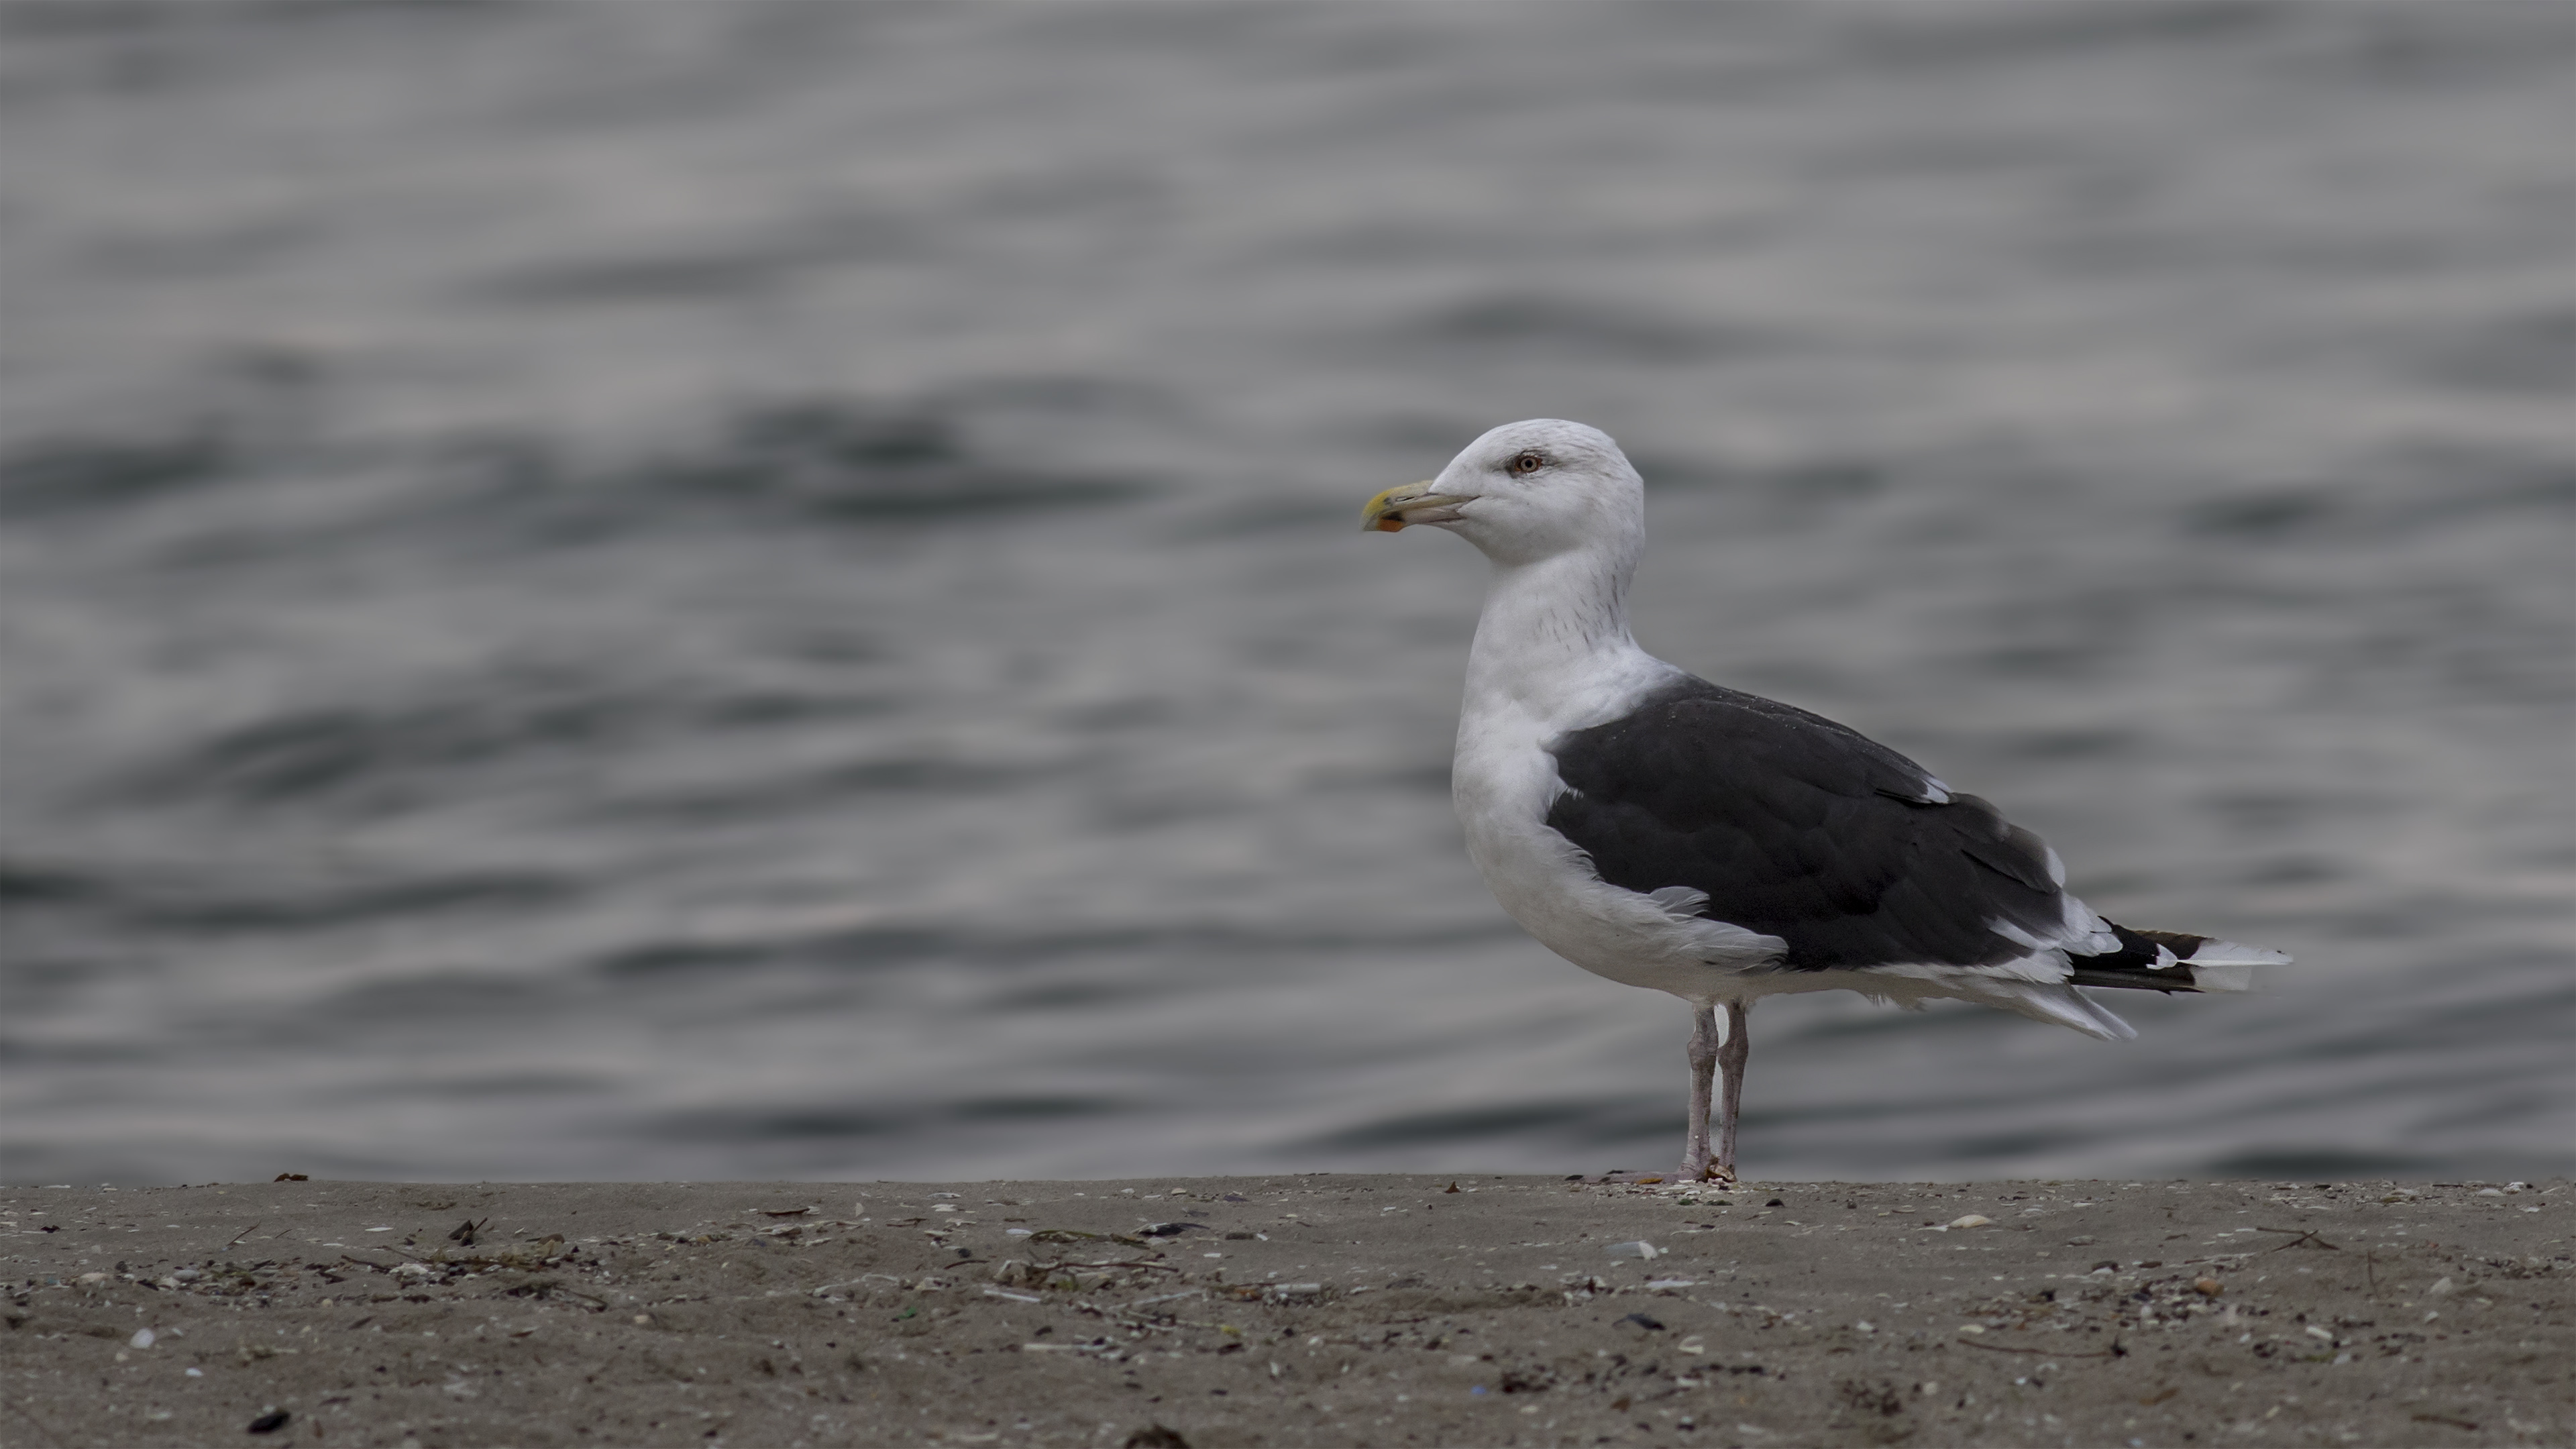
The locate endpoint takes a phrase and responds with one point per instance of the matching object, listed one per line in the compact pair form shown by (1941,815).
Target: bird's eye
(1529,462)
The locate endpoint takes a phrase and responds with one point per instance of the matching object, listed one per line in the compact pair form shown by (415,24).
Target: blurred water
(769,590)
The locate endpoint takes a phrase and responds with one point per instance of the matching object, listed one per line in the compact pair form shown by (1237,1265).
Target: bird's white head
(1527,491)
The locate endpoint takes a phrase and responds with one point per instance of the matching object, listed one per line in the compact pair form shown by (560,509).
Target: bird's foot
(1712,1174)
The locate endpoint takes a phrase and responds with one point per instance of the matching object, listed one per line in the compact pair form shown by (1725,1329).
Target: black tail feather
(2132,967)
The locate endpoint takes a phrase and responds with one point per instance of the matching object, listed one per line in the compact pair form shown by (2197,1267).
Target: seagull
(1670,833)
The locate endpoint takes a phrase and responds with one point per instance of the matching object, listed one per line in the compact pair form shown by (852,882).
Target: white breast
(1503,783)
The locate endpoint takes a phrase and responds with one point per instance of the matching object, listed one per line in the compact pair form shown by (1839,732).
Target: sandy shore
(1321,1310)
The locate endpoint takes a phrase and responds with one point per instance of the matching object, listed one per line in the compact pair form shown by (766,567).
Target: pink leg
(1731,1057)
(1704,1052)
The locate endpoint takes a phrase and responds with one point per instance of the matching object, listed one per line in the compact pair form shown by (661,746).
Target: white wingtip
(2214,952)
(2222,976)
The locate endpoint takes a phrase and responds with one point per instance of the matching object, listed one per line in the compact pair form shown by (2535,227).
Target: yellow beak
(1410,503)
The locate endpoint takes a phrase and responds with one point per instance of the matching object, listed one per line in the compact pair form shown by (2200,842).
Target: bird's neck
(1554,634)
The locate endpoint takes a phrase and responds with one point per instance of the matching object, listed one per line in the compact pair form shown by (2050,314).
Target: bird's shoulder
(1686,736)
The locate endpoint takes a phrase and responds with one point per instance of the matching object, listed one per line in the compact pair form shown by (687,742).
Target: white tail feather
(2061,1004)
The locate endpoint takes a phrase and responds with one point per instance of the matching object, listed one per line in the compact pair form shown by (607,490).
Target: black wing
(1800,828)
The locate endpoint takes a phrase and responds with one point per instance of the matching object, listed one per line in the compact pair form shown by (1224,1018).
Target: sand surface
(1318,1310)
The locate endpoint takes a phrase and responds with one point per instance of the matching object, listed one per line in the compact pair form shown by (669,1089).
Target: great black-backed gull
(1666,832)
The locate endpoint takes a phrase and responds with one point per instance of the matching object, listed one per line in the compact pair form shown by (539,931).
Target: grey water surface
(757,590)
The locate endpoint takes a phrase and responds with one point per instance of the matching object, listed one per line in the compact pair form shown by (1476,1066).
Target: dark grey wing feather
(1801,828)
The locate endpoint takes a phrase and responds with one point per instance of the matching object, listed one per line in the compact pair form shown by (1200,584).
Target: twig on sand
(41,1426)
(2114,1351)
(550,1288)
(2305,1236)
